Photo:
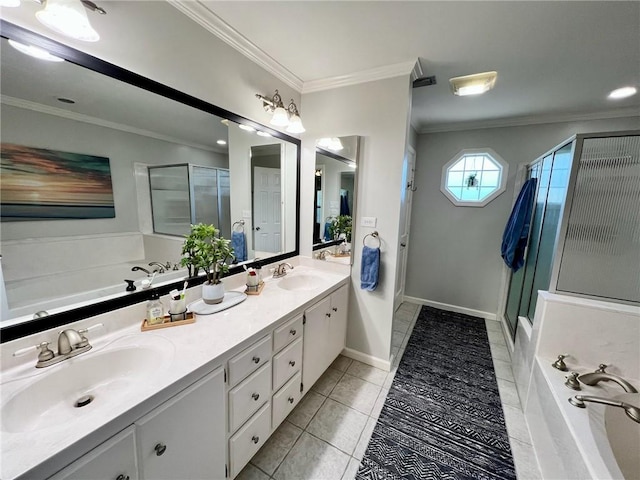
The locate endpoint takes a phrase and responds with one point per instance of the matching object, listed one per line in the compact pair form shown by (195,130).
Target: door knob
(160,449)
(257,229)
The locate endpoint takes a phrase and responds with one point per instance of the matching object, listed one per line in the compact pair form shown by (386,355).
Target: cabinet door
(315,342)
(184,438)
(115,459)
(338,323)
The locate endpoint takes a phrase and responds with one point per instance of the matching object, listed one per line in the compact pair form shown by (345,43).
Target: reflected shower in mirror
(334,197)
(74,139)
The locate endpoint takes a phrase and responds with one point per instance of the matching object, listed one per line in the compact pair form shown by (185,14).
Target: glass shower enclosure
(584,238)
(185,194)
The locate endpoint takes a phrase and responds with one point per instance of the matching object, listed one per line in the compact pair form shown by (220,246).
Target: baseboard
(368,359)
(452,308)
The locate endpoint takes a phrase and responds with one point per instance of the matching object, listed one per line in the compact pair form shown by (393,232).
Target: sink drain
(83,401)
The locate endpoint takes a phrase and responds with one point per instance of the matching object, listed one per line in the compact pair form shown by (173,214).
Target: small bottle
(155,310)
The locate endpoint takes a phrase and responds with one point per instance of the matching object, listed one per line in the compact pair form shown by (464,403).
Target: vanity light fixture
(281,116)
(35,52)
(475,84)
(623,92)
(330,143)
(9,3)
(69,18)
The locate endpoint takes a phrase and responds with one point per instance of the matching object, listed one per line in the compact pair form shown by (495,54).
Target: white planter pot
(212,293)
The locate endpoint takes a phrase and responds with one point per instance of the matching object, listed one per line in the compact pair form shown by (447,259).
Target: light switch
(368,222)
(246,213)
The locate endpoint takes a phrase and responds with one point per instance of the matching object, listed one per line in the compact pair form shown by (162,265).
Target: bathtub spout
(596,377)
(632,412)
(136,268)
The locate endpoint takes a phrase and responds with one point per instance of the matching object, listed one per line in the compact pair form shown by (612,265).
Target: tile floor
(325,437)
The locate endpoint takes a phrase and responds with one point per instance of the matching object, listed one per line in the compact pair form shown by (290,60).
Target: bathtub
(77,288)
(597,442)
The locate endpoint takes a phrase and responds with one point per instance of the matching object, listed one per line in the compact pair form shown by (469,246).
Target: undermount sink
(84,383)
(301,281)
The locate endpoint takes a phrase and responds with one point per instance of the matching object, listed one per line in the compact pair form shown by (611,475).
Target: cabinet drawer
(286,363)
(244,444)
(249,360)
(248,396)
(286,399)
(287,333)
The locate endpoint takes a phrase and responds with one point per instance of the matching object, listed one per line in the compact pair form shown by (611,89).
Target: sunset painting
(41,184)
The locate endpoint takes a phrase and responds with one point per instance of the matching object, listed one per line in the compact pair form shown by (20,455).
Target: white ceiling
(555,60)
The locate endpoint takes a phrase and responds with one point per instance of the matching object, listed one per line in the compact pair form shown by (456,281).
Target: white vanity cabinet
(115,459)
(184,437)
(325,331)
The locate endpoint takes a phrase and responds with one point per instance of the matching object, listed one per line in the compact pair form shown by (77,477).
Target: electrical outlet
(368,222)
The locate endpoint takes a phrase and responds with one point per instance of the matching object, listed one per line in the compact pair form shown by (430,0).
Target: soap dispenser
(155,310)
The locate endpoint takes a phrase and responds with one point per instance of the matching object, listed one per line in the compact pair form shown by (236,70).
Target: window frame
(502,181)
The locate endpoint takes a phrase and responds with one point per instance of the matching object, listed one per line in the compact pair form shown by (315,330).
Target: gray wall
(454,253)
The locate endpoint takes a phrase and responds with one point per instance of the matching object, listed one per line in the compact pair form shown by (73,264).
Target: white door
(408,174)
(267,210)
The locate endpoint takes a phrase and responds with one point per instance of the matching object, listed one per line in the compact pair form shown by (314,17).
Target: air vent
(424,81)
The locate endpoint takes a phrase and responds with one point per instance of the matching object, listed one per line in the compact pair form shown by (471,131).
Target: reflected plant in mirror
(335,195)
(174,160)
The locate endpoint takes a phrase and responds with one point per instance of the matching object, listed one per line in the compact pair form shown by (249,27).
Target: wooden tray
(257,292)
(167,323)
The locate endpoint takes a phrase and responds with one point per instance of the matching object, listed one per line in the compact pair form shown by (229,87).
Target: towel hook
(373,234)
(240,223)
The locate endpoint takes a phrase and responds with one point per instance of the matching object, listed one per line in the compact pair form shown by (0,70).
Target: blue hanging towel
(239,245)
(369,268)
(516,232)
(344,204)
(327,232)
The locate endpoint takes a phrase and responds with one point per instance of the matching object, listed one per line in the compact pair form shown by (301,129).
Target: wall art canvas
(42,184)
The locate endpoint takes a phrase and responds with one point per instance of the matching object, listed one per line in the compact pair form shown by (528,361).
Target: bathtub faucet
(161,267)
(599,376)
(632,412)
(136,268)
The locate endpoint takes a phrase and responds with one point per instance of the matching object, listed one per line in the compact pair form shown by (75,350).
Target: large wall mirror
(335,197)
(100,176)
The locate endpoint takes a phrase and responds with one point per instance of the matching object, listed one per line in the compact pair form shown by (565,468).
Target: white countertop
(198,348)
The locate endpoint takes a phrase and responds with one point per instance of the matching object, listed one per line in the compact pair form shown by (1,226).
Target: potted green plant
(341,225)
(205,249)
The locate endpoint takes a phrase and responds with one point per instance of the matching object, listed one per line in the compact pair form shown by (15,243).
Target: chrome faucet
(69,340)
(322,255)
(599,376)
(161,267)
(281,270)
(632,411)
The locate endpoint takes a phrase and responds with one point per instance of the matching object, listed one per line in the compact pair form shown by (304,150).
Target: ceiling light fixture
(475,84)
(281,116)
(221,142)
(69,18)
(9,3)
(623,92)
(263,134)
(35,52)
(246,128)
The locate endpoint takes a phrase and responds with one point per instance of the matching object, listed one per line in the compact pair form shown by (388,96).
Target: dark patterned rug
(442,417)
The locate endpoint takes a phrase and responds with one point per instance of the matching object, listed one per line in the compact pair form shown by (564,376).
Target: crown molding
(199,13)
(79,117)
(417,72)
(530,120)
(373,74)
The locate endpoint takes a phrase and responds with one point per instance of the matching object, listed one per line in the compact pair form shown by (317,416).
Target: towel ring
(374,235)
(239,223)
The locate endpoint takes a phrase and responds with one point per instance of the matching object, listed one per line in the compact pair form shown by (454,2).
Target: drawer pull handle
(255,439)
(292,363)
(292,331)
(122,477)
(290,399)
(160,449)
(328,314)
(335,309)
(255,396)
(256,359)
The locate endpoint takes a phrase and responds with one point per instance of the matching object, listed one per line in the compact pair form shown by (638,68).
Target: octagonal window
(474,177)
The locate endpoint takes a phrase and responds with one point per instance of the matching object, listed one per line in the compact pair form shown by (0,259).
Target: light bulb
(69,18)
